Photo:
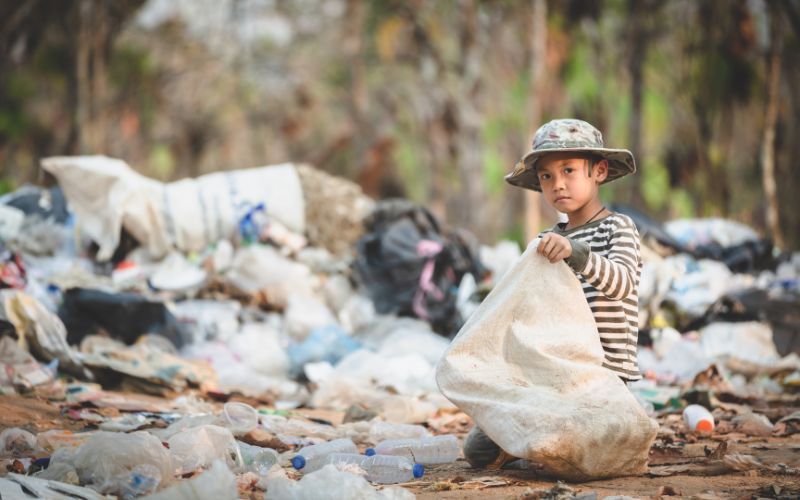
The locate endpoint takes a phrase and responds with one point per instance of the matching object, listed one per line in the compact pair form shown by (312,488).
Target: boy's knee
(479,449)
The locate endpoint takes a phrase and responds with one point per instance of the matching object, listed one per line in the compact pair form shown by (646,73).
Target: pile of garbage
(716,296)
(273,331)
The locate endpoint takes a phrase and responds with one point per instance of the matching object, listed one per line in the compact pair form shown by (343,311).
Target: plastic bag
(199,447)
(328,483)
(217,483)
(15,442)
(527,367)
(108,459)
(107,195)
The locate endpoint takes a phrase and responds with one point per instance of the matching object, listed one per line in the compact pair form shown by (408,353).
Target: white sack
(527,368)
(106,195)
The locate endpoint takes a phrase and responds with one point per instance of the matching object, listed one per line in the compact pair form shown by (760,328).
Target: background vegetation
(430,100)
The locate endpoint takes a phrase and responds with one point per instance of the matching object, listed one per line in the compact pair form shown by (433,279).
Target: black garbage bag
(746,257)
(781,311)
(49,204)
(411,267)
(649,229)
(122,316)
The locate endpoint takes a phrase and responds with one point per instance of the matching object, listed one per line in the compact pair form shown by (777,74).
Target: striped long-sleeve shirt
(606,259)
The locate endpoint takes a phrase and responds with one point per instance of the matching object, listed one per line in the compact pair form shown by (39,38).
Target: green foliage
(654,184)
(494,168)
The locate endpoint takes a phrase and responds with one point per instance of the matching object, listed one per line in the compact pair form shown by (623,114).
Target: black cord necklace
(593,216)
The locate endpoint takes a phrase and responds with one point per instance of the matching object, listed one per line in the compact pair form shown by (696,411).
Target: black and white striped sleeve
(613,276)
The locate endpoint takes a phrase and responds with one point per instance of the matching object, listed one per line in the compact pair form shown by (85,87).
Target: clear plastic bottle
(698,419)
(257,459)
(433,450)
(381,431)
(381,469)
(313,457)
(142,480)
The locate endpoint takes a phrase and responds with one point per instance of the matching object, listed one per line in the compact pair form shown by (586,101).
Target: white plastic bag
(188,215)
(527,367)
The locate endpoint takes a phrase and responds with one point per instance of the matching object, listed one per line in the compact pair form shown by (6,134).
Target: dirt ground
(678,471)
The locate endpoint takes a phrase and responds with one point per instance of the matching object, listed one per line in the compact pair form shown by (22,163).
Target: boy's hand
(555,247)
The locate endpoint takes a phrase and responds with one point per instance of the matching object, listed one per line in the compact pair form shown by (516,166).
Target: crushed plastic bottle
(381,469)
(313,457)
(381,431)
(240,418)
(257,459)
(433,450)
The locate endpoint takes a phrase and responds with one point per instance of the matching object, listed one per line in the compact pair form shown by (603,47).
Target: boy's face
(566,182)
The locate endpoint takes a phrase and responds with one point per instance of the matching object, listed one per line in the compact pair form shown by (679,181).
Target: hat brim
(620,164)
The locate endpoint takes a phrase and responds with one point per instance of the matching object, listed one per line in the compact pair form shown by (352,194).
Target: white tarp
(187,215)
(527,368)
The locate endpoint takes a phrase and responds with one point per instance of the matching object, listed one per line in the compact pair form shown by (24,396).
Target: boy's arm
(615,276)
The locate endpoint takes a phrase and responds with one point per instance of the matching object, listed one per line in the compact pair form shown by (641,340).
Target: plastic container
(257,459)
(698,419)
(381,431)
(143,480)
(313,457)
(381,469)
(240,418)
(433,450)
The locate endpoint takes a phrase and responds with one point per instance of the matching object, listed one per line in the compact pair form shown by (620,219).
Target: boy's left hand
(554,247)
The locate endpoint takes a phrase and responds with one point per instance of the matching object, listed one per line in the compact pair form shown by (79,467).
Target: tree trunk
(538,46)
(354,47)
(637,40)
(770,122)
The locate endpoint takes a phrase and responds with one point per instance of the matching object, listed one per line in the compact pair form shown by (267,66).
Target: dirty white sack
(187,215)
(527,367)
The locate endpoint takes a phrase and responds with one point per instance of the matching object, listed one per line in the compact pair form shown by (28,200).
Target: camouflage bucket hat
(568,134)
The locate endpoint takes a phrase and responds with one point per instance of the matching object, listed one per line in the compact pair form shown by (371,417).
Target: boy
(567,164)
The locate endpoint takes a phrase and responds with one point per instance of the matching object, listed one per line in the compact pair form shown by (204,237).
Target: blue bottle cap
(369,452)
(418,470)
(299,462)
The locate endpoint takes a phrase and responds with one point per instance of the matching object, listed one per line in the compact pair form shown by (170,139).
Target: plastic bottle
(381,431)
(381,469)
(313,457)
(240,418)
(698,419)
(257,459)
(433,450)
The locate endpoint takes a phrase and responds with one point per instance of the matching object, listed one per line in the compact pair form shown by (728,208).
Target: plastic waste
(330,343)
(499,258)
(56,439)
(748,341)
(199,447)
(175,273)
(382,431)
(259,268)
(143,480)
(296,427)
(15,442)
(110,461)
(261,348)
(123,316)
(328,483)
(698,419)
(240,418)
(381,469)
(433,450)
(107,195)
(208,319)
(256,459)
(404,409)
(17,487)
(753,424)
(313,457)
(216,483)
(305,314)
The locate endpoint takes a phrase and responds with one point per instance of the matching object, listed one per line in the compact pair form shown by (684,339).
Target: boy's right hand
(555,247)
